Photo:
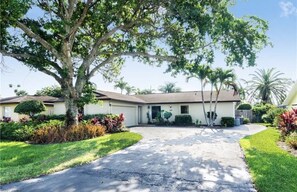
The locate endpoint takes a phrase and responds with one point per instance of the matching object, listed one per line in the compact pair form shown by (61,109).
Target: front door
(155,111)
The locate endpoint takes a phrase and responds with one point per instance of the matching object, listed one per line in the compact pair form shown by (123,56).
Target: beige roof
(182,97)
(105,95)
(18,99)
(188,97)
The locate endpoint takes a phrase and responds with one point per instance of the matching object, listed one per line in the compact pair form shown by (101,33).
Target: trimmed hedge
(183,120)
(244,106)
(227,122)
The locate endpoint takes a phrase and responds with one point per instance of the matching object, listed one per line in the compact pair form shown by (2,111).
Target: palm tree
(130,90)
(201,72)
(224,78)
(212,78)
(121,84)
(169,87)
(268,86)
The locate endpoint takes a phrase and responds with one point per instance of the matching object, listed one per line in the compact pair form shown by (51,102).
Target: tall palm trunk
(217,98)
(203,102)
(210,106)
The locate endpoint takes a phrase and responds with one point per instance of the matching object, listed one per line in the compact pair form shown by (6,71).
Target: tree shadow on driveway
(196,160)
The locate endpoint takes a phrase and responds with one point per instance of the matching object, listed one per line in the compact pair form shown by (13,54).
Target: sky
(281,16)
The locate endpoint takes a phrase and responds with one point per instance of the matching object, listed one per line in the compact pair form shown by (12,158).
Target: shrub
(113,123)
(227,121)
(288,122)
(16,131)
(183,120)
(291,140)
(167,115)
(58,133)
(259,110)
(272,114)
(30,107)
(246,120)
(244,106)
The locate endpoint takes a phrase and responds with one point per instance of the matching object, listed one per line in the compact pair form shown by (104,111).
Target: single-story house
(137,108)
(291,99)
(8,104)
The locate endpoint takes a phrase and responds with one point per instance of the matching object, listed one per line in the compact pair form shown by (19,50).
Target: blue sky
(281,16)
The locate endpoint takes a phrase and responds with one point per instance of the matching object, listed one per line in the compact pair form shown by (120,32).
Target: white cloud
(288,8)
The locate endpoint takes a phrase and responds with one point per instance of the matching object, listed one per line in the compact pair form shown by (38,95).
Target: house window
(184,109)
(7,111)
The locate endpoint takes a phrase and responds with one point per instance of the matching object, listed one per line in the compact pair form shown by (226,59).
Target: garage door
(128,111)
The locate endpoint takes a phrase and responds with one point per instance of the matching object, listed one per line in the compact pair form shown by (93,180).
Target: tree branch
(74,29)
(108,60)
(43,42)
(24,56)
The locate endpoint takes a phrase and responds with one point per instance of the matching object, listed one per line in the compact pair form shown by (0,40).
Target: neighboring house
(291,99)
(8,104)
(136,108)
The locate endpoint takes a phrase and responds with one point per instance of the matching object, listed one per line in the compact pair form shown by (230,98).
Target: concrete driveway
(167,159)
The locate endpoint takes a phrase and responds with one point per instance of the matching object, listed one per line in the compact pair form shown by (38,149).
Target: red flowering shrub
(288,122)
(113,123)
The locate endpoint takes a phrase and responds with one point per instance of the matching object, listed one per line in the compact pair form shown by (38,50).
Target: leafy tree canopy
(30,107)
(73,40)
(54,91)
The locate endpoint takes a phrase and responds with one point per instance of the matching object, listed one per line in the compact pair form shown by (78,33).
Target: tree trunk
(71,112)
(210,106)
(203,103)
(217,98)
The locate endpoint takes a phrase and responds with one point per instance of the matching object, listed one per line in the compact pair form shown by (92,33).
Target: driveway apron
(166,159)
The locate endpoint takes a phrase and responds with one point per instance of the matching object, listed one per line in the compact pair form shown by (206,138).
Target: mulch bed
(285,147)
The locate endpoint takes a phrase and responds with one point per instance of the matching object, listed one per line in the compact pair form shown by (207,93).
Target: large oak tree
(72,40)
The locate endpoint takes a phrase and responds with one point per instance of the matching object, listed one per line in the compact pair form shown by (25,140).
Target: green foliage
(87,95)
(291,140)
(167,115)
(20,92)
(169,87)
(246,121)
(36,160)
(227,121)
(54,91)
(272,168)
(17,131)
(98,37)
(183,120)
(30,107)
(272,114)
(259,110)
(11,131)
(244,106)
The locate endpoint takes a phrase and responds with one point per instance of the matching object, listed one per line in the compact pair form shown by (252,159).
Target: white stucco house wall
(7,105)
(136,107)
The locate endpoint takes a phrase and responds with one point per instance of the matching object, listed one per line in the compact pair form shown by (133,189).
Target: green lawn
(272,168)
(22,161)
